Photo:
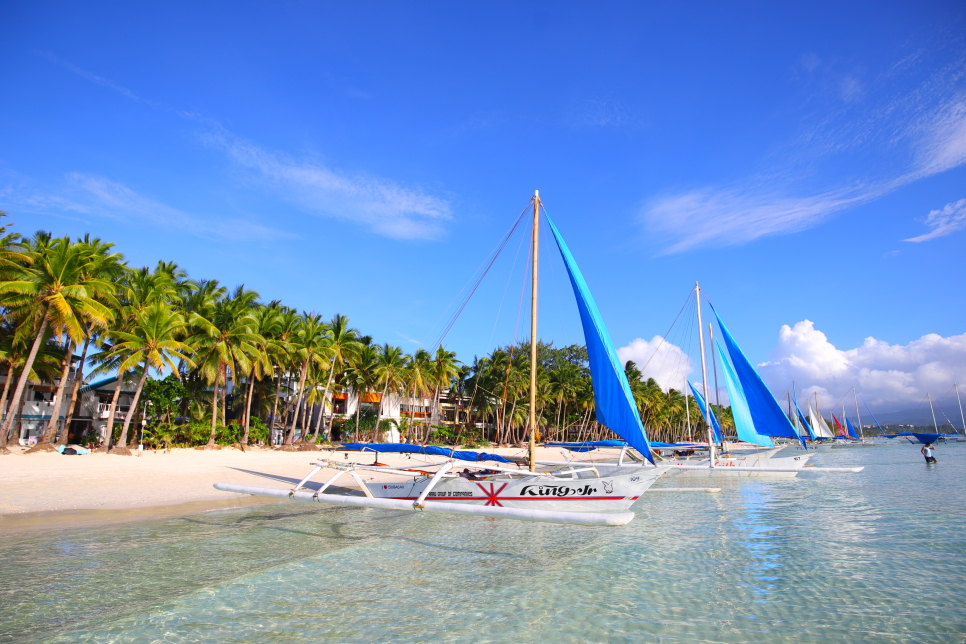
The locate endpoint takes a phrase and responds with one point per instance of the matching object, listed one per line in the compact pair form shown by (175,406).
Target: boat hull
(616,489)
(729,467)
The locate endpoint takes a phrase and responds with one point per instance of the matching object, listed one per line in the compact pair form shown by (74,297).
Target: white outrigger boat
(558,492)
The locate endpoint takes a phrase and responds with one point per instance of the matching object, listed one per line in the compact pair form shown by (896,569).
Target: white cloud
(887,376)
(729,216)
(665,362)
(384,206)
(926,126)
(945,221)
(93,195)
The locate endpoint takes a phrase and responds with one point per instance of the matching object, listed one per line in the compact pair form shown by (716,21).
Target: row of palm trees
(60,296)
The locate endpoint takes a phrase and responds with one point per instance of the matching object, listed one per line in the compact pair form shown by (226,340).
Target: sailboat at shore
(552,491)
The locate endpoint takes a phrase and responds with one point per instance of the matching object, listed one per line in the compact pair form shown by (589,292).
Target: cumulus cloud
(945,221)
(386,207)
(667,363)
(887,376)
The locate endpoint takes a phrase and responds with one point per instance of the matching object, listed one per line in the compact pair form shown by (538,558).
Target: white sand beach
(39,490)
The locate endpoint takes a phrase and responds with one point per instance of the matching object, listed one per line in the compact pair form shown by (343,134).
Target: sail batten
(613,399)
(740,412)
(767,414)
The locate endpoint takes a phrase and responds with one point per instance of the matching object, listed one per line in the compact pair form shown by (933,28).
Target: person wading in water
(927,453)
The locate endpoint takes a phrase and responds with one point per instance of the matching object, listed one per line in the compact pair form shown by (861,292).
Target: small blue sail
(804,422)
(614,401)
(848,424)
(707,413)
(767,414)
(740,412)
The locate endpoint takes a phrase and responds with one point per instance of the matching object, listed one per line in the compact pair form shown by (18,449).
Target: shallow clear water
(876,556)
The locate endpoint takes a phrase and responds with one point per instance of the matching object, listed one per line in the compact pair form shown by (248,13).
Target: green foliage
(163,397)
(257,431)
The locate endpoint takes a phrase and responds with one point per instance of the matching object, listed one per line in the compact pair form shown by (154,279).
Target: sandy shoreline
(52,491)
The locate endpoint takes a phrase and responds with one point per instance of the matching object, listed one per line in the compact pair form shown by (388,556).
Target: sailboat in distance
(560,492)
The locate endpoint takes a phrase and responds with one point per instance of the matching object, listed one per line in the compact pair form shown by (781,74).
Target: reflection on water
(877,556)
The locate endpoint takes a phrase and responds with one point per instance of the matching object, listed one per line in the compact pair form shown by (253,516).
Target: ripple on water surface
(877,556)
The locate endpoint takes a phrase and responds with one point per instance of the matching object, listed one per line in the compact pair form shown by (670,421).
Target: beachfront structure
(37,405)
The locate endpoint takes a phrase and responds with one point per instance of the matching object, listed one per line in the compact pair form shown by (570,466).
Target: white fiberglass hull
(616,489)
(734,465)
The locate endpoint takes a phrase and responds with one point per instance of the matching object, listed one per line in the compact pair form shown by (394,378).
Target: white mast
(704,369)
(857,414)
(934,424)
(961,417)
(533,332)
(687,406)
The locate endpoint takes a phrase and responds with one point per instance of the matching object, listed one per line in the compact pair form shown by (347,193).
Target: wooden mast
(533,331)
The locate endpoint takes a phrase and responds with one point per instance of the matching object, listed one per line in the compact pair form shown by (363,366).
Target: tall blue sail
(740,412)
(708,413)
(848,423)
(612,393)
(769,418)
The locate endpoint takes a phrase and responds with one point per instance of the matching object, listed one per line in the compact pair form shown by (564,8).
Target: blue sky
(364,158)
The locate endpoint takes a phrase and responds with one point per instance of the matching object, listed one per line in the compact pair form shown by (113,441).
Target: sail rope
(493,257)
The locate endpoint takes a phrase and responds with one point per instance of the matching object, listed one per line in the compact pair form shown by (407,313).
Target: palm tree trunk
(3,404)
(318,420)
(78,378)
(122,449)
(325,396)
(248,409)
(358,407)
(214,412)
(24,376)
(278,392)
(112,411)
(50,433)
(295,416)
(224,396)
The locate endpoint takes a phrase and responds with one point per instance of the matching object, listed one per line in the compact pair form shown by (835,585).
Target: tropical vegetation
(211,366)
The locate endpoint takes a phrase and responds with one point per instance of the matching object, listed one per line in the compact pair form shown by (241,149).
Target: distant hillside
(921,416)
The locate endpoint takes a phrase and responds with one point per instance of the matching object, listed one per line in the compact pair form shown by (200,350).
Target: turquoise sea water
(873,557)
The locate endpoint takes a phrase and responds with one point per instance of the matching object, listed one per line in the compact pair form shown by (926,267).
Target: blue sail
(848,423)
(707,413)
(740,412)
(612,393)
(767,414)
(804,422)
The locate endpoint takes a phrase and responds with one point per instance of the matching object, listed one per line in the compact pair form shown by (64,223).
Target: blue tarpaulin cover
(614,401)
(409,448)
(706,412)
(766,413)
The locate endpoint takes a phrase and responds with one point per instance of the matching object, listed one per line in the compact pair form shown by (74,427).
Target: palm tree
(107,265)
(343,342)
(54,288)
(310,343)
(363,376)
(267,325)
(443,369)
(224,341)
(150,343)
(390,372)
